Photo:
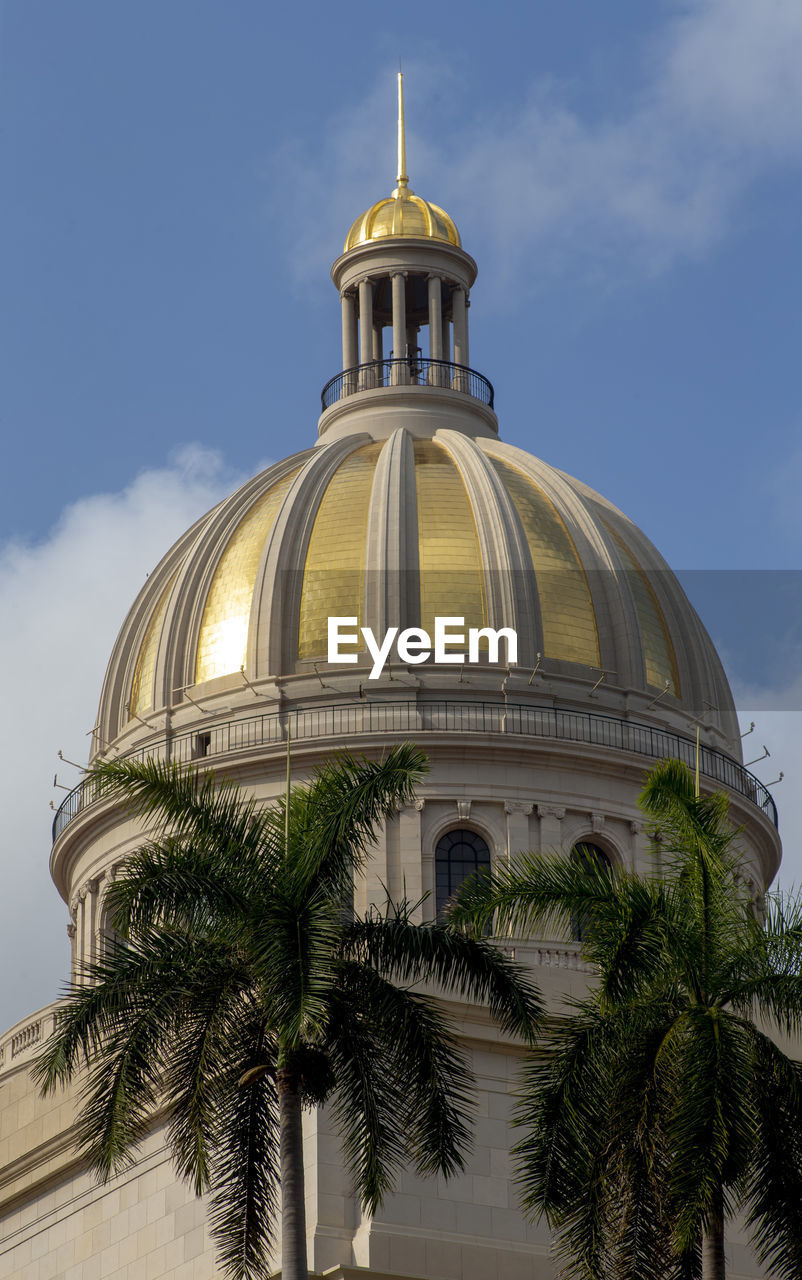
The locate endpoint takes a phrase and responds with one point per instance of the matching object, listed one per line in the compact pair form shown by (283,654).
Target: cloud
(63,600)
(780,732)
(545,188)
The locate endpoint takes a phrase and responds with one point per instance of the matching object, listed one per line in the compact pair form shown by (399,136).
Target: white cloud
(732,68)
(781,732)
(63,600)
(719,101)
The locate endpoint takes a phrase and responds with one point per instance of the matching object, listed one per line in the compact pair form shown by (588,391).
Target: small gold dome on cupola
(402,214)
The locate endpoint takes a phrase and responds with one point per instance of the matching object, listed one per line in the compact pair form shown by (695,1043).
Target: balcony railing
(344,721)
(416,371)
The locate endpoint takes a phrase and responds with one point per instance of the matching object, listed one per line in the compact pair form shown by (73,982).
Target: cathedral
(561,660)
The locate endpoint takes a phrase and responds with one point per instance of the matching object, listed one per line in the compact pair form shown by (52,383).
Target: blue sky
(177,178)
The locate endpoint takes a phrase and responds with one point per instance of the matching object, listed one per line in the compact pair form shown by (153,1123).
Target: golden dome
(402,214)
(219,603)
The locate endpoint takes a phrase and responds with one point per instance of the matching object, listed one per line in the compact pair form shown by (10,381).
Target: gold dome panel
(403,215)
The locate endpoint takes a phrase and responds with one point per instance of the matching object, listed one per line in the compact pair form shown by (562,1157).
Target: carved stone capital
(636,827)
(550,811)
(418,805)
(518,806)
(71,931)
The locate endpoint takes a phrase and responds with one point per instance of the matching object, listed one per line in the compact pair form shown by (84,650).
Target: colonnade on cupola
(426,314)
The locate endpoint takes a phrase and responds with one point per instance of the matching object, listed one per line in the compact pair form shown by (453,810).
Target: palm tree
(240,989)
(660,1104)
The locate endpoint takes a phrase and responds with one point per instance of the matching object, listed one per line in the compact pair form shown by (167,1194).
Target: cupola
(404,282)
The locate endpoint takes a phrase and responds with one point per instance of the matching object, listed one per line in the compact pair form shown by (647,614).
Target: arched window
(458,855)
(587,856)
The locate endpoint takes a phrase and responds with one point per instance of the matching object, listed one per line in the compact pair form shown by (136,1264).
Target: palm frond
(174,881)
(532,893)
(345,803)
(774,1188)
(207,1054)
(458,963)
(706,1067)
(245,1177)
(188,800)
(420,1053)
(368,1101)
(291,948)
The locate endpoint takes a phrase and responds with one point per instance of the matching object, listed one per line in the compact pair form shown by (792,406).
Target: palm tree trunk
(293,1215)
(713,1264)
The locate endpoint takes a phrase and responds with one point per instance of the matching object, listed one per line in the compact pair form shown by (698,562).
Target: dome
(399,215)
(394,532)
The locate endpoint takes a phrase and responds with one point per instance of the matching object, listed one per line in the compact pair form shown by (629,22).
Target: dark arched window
(588,856)
(458,855)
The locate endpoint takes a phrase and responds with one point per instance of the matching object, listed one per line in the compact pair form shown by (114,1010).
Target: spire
(402,179)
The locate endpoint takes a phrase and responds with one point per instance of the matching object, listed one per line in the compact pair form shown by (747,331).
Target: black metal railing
(411,718)
(417,371)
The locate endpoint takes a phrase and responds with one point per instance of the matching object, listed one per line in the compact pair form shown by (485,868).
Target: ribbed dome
(393,532)
(403,214)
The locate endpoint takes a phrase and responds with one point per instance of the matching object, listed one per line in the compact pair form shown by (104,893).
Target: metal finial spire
(402,180)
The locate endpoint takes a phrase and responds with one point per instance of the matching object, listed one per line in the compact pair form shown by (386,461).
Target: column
(378,352)
(518,839)
(365,333)
(460,314)
(82,948)
(71,932)
(551,817)
(446,343)
(435,330)
(410,847)
(93,903)
(412,352)
(369,888)
(350,357)
(400,371)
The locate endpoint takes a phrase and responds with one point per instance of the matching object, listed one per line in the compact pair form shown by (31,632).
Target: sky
(177,177)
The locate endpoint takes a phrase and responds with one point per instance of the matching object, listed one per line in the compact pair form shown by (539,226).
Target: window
(459,854)
(588,856)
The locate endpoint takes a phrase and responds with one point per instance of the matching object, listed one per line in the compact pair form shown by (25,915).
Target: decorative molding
(414,804)
(551,811)
(637,827)
(597,822)
(464,809)
(518,806)
(71,930)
